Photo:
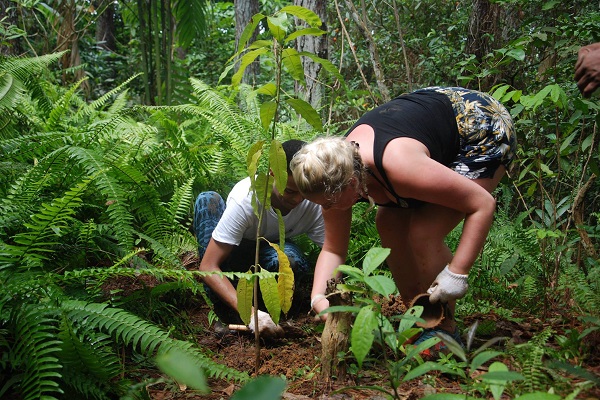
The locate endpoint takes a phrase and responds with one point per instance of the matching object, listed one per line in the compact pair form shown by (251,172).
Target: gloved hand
(448,286)
(266,326)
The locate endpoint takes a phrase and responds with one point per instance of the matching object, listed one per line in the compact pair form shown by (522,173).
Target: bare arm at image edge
(587,69)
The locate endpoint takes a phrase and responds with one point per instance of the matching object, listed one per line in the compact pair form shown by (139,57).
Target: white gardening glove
(266,326)
(448,286)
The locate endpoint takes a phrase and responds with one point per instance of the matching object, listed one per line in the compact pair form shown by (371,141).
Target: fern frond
(584,289)
(35,352)
(529,358)
(180,204)
(57,115)
(97,104)
(89,362)
(11,89)
(114,193)
(162,252)
(32,246)
(138,333)
(25,70)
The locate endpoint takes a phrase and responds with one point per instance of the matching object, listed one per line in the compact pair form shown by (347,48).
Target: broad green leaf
(502,376)
(517,54)
(245,291)
(263,387)
(362,336)
(270,295)
(410,317)
(427,367)
(292,63)
(278,164)
(500,91)
(416,350)
(253,156)
(307,112)
(374,258)
(276,25)
(546,169)
(267,114)
(404,335)
(453,345)
(285,281)
(182,367)
(304,32)
(262,192)
(350,309)
(497,388)
(327,65)
(304,14)
(449,396)
(482,358)
(389,334)
(268,88)
(246,60)
(539,396)
(248,32)
(281,225)
(257,44)
(352,272)
(381,284)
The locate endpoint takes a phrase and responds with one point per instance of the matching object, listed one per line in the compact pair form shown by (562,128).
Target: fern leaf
(35,352)
(33,246)
(140,334)
(58,112)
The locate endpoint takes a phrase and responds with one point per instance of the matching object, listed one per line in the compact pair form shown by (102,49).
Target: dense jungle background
(114,115)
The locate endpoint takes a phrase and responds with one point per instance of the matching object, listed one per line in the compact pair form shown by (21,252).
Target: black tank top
(424,115)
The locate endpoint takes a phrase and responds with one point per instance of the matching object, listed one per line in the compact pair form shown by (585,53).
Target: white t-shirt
(239,221)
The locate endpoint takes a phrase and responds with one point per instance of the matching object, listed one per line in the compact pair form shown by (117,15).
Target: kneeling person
(226,235)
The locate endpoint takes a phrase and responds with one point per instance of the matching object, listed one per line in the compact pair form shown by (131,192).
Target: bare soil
(297,356)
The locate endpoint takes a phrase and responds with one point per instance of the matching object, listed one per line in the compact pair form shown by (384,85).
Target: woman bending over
(429,159)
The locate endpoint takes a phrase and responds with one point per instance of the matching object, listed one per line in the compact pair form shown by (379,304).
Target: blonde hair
(326,166)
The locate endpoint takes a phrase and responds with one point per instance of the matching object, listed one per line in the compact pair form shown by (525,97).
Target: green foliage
(529,359)
(95,187)
(371,329)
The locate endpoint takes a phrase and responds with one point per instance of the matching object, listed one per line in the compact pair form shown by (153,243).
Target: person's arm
(587,69)
(216,253)
(333,254)
(413,174)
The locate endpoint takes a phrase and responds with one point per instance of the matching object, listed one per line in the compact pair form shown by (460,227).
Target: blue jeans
(208,209)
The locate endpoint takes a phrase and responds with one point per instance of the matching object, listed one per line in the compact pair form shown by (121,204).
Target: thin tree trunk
(362,23)
(144,49)
(157,47)
(401,38)
(313,91)
(244,10)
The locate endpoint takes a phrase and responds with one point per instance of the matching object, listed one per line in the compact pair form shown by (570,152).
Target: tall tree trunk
(145,49)
(68,39)
(105,25)
(489,27)
(244,10)
(483,28)
(157,47)
(313,91)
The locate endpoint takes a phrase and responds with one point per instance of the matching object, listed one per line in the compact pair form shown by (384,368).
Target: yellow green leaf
(245,291)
